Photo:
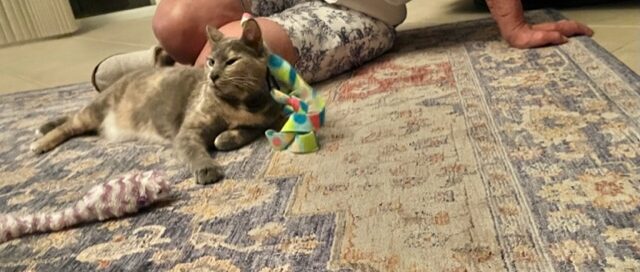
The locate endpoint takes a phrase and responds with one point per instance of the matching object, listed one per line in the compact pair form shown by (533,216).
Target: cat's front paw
(38,148)
(225,143)
(208,175)
(235,139)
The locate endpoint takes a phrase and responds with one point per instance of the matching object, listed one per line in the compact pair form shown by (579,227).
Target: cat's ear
(213,34)
(251,34)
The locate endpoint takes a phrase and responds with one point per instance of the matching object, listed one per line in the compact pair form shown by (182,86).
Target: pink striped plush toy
(115,198)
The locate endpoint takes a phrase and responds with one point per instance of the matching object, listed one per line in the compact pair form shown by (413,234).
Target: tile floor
(70,59)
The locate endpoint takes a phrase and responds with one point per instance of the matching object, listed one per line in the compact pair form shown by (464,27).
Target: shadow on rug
(453,152)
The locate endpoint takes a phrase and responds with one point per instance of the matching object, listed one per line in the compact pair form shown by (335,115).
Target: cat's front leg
(192,150)
(236,138)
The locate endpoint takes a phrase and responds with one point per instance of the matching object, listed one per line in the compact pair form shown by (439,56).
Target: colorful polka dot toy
(301,103)
(305,109)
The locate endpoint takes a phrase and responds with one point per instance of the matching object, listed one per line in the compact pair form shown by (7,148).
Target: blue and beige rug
(454,152)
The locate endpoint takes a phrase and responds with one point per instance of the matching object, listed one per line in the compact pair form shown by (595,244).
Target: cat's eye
(210,62)
(232,61)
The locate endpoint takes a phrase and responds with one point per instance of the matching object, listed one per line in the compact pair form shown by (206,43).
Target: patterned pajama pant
(329,39)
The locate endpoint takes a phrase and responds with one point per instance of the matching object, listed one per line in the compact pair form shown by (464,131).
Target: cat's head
(237,68)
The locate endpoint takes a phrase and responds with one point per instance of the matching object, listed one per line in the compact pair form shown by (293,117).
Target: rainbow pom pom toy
(303,106)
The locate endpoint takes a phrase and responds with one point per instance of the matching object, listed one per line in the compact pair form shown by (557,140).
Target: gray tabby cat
(227,101)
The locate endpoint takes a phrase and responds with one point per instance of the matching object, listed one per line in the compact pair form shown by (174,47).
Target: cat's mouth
(213,83)
(222,84)
(220,91)
(217,91)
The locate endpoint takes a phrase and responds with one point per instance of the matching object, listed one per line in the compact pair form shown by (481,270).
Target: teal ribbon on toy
(303,106)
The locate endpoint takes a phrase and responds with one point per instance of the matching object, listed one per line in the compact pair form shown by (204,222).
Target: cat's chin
(215,89)
(217,92)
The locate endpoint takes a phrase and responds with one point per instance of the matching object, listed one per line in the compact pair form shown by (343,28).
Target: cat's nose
(214,77)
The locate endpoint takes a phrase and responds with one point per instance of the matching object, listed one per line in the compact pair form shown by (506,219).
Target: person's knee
(172,19)
(179,26)
(177,17)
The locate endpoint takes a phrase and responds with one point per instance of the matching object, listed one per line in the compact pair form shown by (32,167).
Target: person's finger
(565,27)
(542,38)
(545,26)
(537,39)
(571,28)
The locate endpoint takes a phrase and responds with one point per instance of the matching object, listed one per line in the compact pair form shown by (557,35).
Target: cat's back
(160,78)
(151,103)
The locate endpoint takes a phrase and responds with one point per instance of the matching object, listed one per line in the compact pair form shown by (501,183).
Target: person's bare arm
(509,16)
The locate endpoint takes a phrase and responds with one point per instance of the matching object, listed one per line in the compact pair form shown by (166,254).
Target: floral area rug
(453,152)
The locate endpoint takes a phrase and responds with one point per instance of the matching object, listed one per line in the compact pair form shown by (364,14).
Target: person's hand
(529,36)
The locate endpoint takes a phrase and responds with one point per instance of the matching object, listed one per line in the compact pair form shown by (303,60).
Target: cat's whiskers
(240,82)
(245,86)
(241,78)
(238,77)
